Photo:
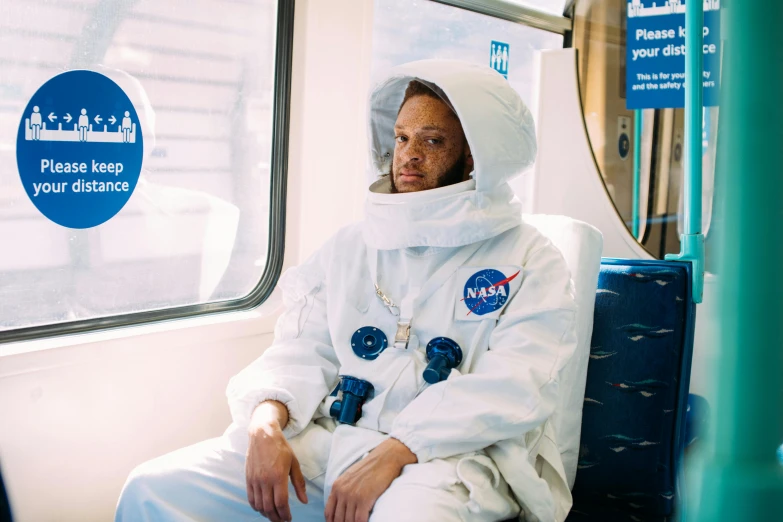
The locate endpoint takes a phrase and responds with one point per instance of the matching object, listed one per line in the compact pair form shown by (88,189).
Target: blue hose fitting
(443,354)
(368,342)
(355,391)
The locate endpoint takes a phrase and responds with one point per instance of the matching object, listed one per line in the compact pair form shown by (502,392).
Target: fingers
(270,510)
(350,512)
(362,513)
(344,507)
(298,481)
(331,505)
(281,501)
(251,498)
(257,493)
(339,511)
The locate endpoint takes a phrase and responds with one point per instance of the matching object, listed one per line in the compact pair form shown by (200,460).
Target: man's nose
(413,152)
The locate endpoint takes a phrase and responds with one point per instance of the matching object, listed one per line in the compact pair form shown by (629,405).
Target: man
(440,254)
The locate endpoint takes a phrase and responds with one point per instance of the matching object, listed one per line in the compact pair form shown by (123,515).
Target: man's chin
(414,185)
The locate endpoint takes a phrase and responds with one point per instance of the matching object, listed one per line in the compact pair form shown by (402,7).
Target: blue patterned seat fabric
(633,426)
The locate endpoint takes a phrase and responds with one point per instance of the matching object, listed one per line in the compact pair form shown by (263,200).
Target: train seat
(636,397)
(581,245)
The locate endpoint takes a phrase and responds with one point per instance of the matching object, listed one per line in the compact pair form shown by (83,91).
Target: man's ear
(468,158)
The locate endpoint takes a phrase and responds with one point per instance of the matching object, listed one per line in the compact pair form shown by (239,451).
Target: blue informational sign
(655,60)
(498,57)
(79,149)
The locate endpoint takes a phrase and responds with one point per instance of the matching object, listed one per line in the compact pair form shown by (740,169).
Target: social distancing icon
(79,171)
(83,130)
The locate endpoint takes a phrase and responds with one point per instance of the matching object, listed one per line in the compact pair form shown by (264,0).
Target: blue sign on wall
(498,57)
(79,149)
(655,60)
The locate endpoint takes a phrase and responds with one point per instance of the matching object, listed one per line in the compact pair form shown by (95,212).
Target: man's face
(430,150)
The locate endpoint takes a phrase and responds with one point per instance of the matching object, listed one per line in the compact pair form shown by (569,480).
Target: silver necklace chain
(386,301)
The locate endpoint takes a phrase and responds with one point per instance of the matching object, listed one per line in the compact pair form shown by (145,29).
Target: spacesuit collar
(380,192)
(451,216)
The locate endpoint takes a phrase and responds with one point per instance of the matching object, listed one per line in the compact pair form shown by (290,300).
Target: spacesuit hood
(497,124)
(501,133)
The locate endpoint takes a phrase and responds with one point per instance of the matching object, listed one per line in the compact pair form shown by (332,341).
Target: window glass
(200,76)
(408,30)
(600,37)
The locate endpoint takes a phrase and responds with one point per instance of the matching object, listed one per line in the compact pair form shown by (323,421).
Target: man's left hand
(355,492)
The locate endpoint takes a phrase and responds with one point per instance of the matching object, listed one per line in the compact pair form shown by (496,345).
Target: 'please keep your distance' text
(80,185)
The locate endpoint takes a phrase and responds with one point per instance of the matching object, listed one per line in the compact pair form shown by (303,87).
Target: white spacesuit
(455,262)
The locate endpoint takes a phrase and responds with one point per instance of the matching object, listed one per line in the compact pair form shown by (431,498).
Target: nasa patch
(485,291)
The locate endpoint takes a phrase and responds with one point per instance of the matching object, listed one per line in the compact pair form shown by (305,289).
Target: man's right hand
(270,461)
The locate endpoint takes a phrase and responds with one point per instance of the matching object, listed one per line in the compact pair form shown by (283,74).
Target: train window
(599,35)
(202,231)
(407,30)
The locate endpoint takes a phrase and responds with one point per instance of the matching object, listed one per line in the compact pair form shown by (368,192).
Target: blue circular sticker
(79,149)
(486,291)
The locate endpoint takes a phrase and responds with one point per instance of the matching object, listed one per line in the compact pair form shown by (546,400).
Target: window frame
(277,217)
(513,12)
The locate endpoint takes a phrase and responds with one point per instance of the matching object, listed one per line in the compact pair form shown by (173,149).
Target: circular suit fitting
(368,342)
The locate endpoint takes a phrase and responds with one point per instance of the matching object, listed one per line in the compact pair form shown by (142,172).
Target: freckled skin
(430,150)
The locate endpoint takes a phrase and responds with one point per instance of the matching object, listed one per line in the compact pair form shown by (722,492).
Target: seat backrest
(637,389)
(581,245)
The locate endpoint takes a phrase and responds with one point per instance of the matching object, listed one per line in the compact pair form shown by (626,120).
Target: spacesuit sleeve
(513,386)
(300,368)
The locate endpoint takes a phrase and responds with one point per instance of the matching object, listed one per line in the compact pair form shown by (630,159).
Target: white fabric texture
(581,245)
(487,425)
(206,483)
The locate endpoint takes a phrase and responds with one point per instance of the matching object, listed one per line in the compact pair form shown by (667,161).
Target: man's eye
(434,141)
(400,139)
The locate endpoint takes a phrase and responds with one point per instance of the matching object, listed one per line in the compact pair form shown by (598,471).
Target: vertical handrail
(694,110)
(692,240)
(740,478)
(637,165)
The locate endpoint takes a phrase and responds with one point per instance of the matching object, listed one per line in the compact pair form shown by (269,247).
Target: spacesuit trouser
(206,482)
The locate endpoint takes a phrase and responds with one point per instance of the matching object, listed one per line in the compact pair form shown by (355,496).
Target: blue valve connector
(355,391)
(443,354)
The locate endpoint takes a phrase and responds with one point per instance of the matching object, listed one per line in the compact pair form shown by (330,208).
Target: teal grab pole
(738,477)
(692,241)
(637,165)
(694,114)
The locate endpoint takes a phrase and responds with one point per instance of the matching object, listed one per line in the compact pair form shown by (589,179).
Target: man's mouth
(410,175)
